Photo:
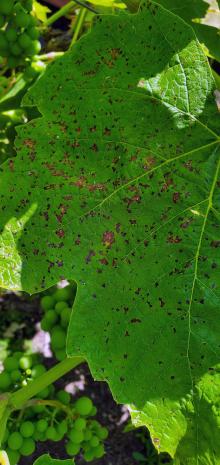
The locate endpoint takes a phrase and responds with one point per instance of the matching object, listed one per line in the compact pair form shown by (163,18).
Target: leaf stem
(20,397)
(61,12)
(78,25)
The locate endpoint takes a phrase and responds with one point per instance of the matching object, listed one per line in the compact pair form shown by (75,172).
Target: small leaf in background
(40,11)
(47,460)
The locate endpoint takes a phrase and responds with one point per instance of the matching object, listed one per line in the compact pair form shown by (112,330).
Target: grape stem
(78,25)
(19,398)
(61,12)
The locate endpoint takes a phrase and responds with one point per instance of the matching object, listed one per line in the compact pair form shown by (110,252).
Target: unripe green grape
(62,294)
(88,435)
(76,436)
(33,32)
(13,456)
(94,441)
(64,397)
(11,364)
(28,447)
(99,451)
(84,406)
(72,448)
(80,424)
(38,408)
(13,62)
(6,6)
(27,429)
(11,34)
(3,41)
(24,40)
(25,362)
(58,338)
(65,317)
(88,456)
(51,433)
(38,370)
(60,306)
(2,21)
(102,433)
(47,302)
(15,441)
(45,324)
(22,19)
(62,427)
(60,354)
(51,317)
(34,49)
(42,425)
(28,5)
(15,49)
(5,380)
(93,411)
(44,394)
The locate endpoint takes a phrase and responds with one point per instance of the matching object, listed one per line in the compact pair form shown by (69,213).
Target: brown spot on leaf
(108,238)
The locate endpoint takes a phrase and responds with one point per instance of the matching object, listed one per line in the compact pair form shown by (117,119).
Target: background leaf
(47,460)
(191,10)
(117,187)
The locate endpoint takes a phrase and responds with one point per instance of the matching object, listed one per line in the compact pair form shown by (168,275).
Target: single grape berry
(27,429)
(38,370)
(28,447)
(102,433)
(47,302)
(58,338)
(42,425)
(6,6)
(24,40)
(72,448)
(11,364)
(15,441)
(25,362)
(80,424)
(84,406)
(76,436)
(14,456)
(5,380)
(62,294)
(22,19)
(64,397)
(51,433)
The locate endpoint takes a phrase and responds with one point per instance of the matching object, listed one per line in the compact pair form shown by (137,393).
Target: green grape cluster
(18,32)
(57,307)
(3,85)
(86,434)
(20,369)
(54,420)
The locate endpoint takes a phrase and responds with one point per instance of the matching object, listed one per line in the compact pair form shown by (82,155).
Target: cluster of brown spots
(215,244)
(167,184)
(149,162)
(80,182)
(29,143)
(107,132)
(96,187)
(176,197)
(89,256)
(186,223)
(173,239)
(60,233)
(11,165)
(63,210)
(108,238)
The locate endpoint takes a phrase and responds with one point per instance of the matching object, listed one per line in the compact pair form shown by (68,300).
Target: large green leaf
(192,11)
(117,187)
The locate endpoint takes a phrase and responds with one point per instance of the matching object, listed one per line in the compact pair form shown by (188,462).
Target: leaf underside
(117,186)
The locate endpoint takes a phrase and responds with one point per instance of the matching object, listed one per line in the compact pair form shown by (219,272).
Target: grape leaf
(47,460)
(192,11)
(117,187)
